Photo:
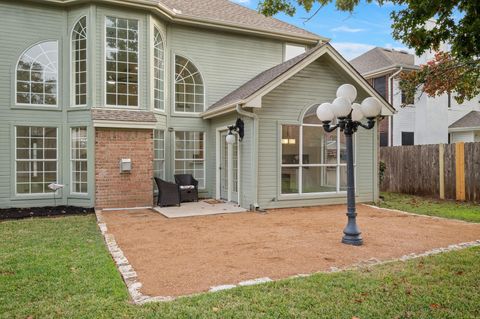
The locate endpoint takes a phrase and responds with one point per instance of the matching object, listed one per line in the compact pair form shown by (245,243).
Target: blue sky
(351,34)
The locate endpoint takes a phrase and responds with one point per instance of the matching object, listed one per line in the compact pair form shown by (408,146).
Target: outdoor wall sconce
(349,117)
(239,128)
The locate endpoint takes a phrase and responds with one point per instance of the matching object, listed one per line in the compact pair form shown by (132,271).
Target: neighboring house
(425,120)
(88,84)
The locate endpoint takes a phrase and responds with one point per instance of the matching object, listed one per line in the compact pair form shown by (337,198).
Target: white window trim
(164,149)
(300,165)
(48,106)
(72,160)
(105,64)
(33,195)
(163,38)
(72,65)
(189,159)
(175,88)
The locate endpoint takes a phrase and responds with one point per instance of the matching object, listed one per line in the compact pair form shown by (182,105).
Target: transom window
(79,47)
(189,88)
(35,159)
(159,153)
(190,155)
(37,75)
(313,161)
(79,160)
(121,61)
(159,70)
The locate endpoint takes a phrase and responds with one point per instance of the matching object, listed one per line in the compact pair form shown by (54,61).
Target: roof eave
(463,129)
(174,17)
(387,69)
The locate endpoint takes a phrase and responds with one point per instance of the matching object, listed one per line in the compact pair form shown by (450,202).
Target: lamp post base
(354,240)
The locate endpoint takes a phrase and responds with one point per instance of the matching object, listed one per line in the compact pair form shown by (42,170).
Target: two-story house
(100,96)
(424,120)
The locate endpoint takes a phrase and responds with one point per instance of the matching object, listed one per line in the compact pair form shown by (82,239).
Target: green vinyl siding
(286,104)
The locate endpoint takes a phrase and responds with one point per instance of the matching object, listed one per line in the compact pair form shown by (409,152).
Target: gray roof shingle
(380,58)
(472,119)
(255,84)
(225,11)
(99,114)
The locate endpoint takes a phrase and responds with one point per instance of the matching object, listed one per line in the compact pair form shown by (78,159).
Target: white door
(224,184)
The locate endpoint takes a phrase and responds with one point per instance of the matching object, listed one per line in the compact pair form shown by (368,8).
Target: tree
(456,71)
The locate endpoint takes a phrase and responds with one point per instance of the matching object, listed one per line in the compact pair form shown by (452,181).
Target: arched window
(79,47)
(37,75)
(313,161)
(189,89)
(159,70)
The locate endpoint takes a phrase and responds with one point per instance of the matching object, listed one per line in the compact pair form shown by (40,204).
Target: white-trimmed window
(190,155)
(158,71)
(79,52)
(313,161)
(121,61)
(79,160)
(189,88)
(37,75)
(35,159)
(159,153)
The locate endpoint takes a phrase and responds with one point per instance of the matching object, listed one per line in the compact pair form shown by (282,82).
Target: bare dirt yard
(182,256)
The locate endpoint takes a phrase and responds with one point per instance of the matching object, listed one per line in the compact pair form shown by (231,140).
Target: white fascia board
(124,124)
(463,129)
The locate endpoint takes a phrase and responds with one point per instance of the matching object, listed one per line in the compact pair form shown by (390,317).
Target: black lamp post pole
(349,127)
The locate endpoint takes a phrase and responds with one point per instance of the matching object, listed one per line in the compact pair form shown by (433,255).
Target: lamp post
(349,117)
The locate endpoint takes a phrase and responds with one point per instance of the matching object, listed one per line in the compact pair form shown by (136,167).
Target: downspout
(390,99)
(254,161)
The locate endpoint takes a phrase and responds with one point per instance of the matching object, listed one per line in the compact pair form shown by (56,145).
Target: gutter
(254,160)
(390,99)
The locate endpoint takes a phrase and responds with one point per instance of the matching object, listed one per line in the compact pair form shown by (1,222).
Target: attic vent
(177,11)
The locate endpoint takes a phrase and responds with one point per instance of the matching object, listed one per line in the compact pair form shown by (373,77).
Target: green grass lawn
(433,207)
(60,268)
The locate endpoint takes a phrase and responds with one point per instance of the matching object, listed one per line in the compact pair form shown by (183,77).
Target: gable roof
(219,14)
(472,119)
(262,79)
(271,78)
(380,58)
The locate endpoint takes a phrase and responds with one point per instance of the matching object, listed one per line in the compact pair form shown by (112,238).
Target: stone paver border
(130,277)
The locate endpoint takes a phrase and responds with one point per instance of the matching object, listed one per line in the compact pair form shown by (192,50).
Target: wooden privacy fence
(446,171)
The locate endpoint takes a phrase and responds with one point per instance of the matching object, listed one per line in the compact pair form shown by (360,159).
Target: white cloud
(344,28)
(351,50)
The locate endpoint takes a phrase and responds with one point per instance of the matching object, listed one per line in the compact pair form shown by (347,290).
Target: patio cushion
(187,187)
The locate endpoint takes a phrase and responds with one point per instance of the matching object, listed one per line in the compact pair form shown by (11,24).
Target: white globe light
(347,91)
(371,107)
(230,139)
(324,112)
(357,114)
(341,107)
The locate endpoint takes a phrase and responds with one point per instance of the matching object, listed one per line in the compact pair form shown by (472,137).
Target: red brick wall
(121,190)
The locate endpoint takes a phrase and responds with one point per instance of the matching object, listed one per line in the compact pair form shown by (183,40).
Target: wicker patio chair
(188,187)
(168,193)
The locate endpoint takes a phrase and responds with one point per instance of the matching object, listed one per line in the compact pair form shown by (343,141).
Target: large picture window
(79,47)
(37,75)
(190,155)
(121,62)
(79,160)
(35,159)
(189,89)
(158,70)
(313,161)
(159,153)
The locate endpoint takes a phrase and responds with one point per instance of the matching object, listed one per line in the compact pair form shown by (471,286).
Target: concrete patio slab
(200,208)
(185,256)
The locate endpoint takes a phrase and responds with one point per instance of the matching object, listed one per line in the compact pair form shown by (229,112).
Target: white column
(230,171)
